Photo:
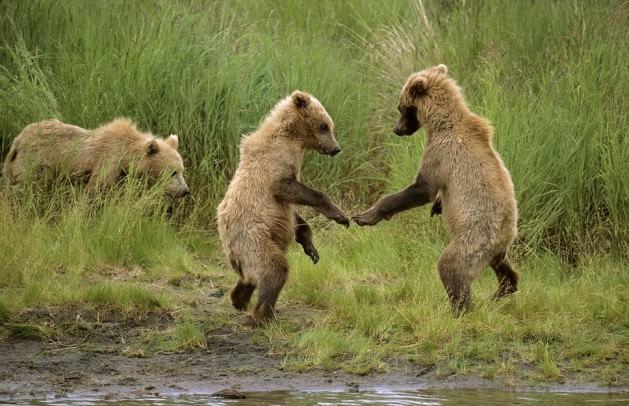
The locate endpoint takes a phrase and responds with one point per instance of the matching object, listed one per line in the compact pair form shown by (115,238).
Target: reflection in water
(425,397)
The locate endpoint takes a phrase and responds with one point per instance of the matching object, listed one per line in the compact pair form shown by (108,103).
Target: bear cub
(257,219)
(459,163)
(100,157)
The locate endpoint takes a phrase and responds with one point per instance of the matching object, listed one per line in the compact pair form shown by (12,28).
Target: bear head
(427,98)
(312,124)
(162,158)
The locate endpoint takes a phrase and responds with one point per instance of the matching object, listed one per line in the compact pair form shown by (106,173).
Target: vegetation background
(553,77)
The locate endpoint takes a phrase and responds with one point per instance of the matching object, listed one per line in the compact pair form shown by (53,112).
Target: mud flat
(34,369)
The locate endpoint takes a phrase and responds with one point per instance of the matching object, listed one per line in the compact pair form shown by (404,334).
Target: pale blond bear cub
(100,157)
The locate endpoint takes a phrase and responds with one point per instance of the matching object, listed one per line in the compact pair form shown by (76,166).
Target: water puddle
(423,397)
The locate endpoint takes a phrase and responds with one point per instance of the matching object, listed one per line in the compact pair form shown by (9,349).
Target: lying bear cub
(100,157)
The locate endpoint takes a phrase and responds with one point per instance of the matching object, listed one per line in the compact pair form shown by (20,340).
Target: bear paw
(367,218)
(311,251)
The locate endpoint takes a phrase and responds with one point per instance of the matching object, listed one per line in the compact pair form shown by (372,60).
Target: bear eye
(324,127)
(173,174)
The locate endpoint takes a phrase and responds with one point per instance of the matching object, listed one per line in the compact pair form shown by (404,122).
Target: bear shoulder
(121,130)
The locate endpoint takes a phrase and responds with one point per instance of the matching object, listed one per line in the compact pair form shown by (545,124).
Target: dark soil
(35,369)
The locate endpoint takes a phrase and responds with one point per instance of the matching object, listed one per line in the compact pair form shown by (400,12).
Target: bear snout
(178,193)
(335,150)
(178,188)
(407,124)
(402,130)
(182,193)
(397,130)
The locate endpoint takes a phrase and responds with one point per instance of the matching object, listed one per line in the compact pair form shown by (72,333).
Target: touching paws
(369,217)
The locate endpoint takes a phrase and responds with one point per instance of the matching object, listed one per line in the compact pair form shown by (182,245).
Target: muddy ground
(85,349)
(99,364)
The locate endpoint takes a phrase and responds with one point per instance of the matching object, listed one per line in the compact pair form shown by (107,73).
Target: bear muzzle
(407,122)
(178,187)
(328,145)
(335,151)
(403,128)
(178,193)
(401,131)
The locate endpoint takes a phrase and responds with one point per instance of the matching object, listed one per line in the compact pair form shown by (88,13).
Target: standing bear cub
(256,219)
(459,162)
(50,149)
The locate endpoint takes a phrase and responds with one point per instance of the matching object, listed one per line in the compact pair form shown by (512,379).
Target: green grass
(552,76)
(387,305)
(27,331)
(183,336)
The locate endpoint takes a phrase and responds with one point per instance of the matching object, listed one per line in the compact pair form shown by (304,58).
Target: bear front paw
(340,218)
(311,251)
(367,218)
(343,220)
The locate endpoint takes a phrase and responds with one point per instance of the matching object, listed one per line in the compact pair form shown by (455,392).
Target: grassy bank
(383,303)
(552,76)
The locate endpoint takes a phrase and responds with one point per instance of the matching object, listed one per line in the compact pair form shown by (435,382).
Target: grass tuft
(29,331)
(124,296)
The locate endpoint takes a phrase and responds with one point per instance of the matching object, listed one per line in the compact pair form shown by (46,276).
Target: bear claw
(312,253)
(436,209)
(341,220)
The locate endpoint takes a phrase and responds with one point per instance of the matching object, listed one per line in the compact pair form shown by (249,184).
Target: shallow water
(424,397)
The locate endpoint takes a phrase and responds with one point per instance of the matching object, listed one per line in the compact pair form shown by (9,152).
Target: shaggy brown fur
(256,219)
(49,149)
(459,162)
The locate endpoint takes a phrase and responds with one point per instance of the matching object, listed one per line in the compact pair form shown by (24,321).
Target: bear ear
(417,88)
(173,141)
(300,99)
(152,147)
(441,69)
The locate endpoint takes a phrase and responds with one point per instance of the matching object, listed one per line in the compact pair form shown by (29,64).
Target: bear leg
(270,284)
(303,235)
(455,276)
(241,294)
(507,277)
